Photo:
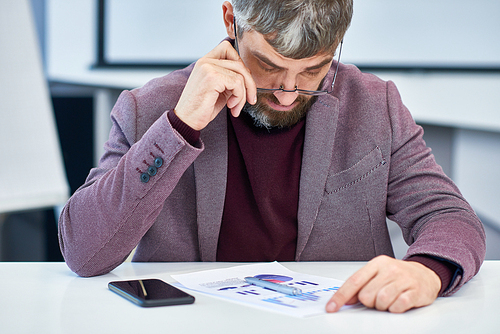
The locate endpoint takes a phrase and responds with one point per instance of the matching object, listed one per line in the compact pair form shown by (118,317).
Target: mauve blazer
(364,159)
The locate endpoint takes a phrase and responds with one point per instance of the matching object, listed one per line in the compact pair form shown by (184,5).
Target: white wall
(477,170)
(32,173)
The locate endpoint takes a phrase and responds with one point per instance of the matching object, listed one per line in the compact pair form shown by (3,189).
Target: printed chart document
(229,283)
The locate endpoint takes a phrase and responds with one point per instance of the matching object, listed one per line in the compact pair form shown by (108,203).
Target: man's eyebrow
(267,61)
(320,65)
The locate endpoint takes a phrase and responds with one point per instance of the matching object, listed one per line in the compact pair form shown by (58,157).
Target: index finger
(223,51)
(230,59)
(351,287)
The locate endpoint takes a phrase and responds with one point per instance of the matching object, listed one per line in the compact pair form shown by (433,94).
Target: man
(274,151)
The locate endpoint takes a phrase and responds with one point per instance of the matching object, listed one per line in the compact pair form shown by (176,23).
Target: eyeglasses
(299,91)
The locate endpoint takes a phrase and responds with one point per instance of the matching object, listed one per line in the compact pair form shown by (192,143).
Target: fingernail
(255,100)
(331,306)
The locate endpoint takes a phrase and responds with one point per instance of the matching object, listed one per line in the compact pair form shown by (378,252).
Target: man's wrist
(188,133)
(444,270)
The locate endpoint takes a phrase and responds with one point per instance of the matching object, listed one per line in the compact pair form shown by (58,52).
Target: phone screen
(150,292)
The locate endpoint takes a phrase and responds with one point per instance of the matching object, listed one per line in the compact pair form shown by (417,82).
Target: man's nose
(286,97)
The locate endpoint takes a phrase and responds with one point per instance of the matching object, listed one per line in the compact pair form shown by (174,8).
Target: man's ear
(228,17)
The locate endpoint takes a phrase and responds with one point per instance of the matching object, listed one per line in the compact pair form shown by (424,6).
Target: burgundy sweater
(259,222)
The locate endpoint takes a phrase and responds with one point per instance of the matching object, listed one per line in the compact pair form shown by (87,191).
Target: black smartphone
(150,292)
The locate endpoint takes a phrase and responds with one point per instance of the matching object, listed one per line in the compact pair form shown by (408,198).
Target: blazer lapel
(210,170)
(321,125)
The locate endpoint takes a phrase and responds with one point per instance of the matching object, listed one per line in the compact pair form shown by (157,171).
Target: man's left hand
(387,284)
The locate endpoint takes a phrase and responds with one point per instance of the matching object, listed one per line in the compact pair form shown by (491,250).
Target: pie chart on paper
(274,278)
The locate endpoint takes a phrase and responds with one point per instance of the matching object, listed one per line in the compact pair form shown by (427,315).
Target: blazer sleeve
(434,217)
(107,217)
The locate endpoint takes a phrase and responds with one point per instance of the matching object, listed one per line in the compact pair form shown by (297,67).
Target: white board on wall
(425,33)
(456,33)
(162,31)
(31,167)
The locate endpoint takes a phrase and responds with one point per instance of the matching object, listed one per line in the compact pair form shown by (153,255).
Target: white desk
(49,298)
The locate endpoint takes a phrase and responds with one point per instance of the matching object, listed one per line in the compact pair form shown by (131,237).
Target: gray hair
(296,28)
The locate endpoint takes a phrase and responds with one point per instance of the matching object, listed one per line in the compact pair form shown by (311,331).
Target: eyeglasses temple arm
(338,62)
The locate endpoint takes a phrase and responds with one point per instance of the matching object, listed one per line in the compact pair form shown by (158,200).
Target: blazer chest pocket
(355,174)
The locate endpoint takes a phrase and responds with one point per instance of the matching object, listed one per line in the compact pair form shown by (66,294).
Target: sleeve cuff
(446,270)
(189,134)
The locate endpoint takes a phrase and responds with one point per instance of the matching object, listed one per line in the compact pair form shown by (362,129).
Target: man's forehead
(260,48)
(311,63)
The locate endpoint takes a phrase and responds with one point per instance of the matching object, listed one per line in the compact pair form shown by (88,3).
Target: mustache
(266,117)
(271,97)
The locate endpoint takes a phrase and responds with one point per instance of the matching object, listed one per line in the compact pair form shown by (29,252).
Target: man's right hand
(220,78)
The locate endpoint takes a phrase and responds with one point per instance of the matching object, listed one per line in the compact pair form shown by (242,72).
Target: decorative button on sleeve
(145,177)
(152,170)
(158,162)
